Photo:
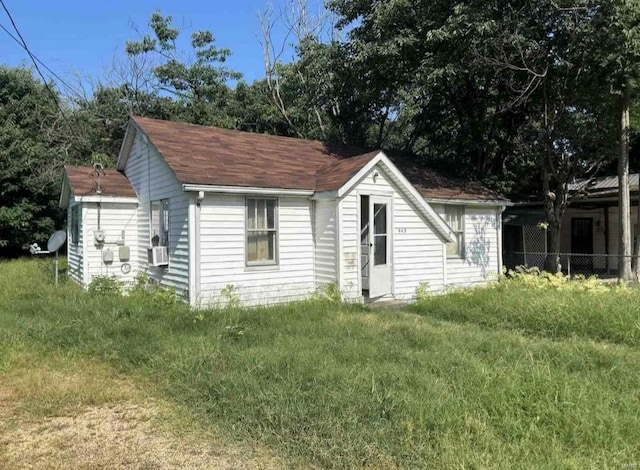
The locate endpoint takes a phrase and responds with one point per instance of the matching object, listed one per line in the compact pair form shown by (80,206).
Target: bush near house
(511,376)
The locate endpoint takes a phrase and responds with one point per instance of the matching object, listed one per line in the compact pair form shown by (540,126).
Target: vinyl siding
(222,254)
(153,180)
(75,251)
(480,261)
(114,220)
(325,242)
(417,251)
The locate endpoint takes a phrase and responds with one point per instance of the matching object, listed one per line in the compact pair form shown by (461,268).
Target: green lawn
(511,376)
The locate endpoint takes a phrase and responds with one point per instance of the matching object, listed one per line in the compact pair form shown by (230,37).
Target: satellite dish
(56,240)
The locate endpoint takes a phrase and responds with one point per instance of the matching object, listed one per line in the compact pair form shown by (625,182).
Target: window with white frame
(74,224)
(159,223)
(262,231)
(454,216)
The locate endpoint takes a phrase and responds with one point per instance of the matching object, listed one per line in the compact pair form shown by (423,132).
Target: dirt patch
(123,436)
(97,429)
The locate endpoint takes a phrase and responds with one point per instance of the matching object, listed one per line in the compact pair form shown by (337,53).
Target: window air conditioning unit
(159,256)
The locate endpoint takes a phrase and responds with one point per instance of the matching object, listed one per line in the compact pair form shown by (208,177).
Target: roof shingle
(212,156)
(84,182)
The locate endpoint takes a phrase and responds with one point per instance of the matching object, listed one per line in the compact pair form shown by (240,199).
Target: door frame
(390,239)
(589,255)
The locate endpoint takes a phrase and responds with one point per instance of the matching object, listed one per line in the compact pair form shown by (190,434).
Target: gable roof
(334,175)
(435,186)
(202,155)
(81,181)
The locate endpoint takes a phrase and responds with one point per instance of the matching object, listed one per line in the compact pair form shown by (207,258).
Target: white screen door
(380,243)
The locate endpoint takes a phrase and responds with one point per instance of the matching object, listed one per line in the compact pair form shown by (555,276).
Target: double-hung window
(159,223)
(454,216)
(262,231)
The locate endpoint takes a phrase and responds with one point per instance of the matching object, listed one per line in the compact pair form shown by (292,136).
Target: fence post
(569,264)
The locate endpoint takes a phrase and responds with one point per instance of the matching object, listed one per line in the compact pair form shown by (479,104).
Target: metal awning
(522,218)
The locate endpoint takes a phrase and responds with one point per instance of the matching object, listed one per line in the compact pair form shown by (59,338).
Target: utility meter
(98,235)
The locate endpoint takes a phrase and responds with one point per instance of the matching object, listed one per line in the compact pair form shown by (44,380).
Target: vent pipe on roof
(99,172)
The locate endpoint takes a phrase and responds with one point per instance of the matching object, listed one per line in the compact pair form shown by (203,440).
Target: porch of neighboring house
(589,232)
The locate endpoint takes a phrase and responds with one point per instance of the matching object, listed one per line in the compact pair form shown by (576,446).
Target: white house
(200,209)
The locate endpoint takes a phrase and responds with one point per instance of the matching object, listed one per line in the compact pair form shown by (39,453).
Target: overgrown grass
(547,305)
(339,386)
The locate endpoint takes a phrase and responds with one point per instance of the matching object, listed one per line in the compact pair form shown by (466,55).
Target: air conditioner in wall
(159,256)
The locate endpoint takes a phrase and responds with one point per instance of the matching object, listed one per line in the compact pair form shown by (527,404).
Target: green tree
(34,137)
(200,84)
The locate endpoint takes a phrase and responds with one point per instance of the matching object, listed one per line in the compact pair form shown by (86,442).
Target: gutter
(245,190)
(471,202)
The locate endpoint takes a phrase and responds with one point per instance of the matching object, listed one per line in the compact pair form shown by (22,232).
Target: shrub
(147,291)
(105,285)
(422,292)
(231,297)
(328,292)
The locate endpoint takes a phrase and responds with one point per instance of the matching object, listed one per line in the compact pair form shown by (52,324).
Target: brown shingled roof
(83,181)
(334,175)
(212,156)
(208,155)
(433,185)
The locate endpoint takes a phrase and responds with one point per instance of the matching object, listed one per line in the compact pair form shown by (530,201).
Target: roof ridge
(233,131)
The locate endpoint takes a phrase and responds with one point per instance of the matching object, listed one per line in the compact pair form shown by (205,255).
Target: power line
(55,75)
(35,63)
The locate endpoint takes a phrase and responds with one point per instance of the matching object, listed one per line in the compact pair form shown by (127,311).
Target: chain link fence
(603,266)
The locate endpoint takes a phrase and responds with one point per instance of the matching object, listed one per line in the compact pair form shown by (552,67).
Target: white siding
(115,219)
(417,254)
(326,243)
(75,251)
(153,180)
(222,253)
(480,262)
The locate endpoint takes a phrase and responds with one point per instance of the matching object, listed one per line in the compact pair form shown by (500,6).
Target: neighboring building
(589,230)
(200,208)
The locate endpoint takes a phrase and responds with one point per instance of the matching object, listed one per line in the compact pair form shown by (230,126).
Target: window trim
(461,252)
(74,228)
(276,224)
(165,206)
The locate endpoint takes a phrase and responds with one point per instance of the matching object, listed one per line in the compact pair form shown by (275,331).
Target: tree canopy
(523,96)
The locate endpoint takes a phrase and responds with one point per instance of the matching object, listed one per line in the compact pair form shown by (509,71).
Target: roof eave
(210,188)
(470,202)
(127,144)
(427,211)
(107,198)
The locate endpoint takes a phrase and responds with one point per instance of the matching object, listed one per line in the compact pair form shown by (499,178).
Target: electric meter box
(107,256)
(123,253)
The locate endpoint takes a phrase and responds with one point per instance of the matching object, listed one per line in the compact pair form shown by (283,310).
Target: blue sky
(74,37)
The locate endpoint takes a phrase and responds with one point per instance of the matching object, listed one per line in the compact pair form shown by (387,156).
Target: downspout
(196,257)
(499,237)
(606,236)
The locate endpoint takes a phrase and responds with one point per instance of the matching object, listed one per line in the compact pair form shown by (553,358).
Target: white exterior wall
(481,240)
(417,254)
(326,261)
(152,179)
(222,254)
(75,251)
(115,218)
